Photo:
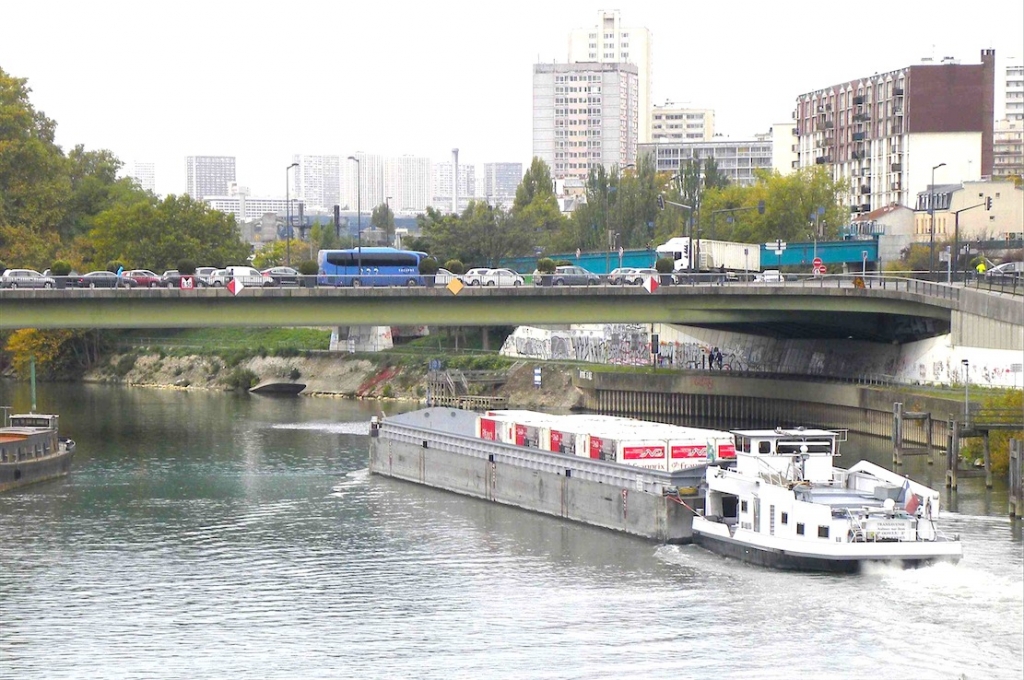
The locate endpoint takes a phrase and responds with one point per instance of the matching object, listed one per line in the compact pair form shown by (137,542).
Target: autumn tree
(384,219)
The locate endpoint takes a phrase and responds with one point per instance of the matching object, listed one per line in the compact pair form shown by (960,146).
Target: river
(208,535)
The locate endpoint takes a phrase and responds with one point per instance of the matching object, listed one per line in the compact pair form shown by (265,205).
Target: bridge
(880,309)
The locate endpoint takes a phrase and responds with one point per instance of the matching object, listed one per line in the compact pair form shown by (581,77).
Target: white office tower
(1014,92)
(609,42)
(208,175)
(678,123)
(408,183)
(444,189)
(585,115)
(317,181)
(144,173)
(501,180)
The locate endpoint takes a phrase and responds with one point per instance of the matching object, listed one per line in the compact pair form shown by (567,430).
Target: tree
(156,234)
(384,219)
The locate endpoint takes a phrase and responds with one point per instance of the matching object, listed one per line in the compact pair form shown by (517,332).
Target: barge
(615,473)
(785,505)
(32,450)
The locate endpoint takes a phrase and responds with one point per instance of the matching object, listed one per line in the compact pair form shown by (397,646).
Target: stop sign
(816,262)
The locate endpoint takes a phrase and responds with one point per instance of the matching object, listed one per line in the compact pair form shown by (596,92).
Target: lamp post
(359,215)
(967,383)
(931,222)
(288,217)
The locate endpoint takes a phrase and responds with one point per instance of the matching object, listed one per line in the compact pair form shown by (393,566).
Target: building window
(822,532)
(799,529)
(743,506)
(785,518)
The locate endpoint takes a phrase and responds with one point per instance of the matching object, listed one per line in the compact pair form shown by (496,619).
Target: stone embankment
(334,376)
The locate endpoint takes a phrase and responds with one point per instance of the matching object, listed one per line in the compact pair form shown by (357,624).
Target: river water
(223,536)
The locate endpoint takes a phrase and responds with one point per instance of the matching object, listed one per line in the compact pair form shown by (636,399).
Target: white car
(503,277)
(475,276)
(25,278)
(770,276)
(444,277)
(249,276)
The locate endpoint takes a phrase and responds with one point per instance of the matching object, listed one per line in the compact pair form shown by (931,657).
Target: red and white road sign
(186,283)
(819,269)
(235,285)
(650,284)
(816,262)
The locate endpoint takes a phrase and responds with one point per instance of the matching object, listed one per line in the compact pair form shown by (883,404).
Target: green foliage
(383,218)
(60,268)
(186,267)
(455,266)
(276,253)
(125,364)
(294,374)
(480,235)
(308,268)
(1009,402)
(546,265)
(113,266)
(157,235)
(429,266)
(665,265)
(388,392)
(241,379)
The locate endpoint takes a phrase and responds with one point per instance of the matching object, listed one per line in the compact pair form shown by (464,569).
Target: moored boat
(785,505)
(32,450)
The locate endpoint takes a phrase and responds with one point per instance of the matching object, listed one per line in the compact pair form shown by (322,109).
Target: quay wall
(630,500)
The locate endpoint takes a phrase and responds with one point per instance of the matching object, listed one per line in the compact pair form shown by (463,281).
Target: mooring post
(897,431)
(988,463)
(1016,495)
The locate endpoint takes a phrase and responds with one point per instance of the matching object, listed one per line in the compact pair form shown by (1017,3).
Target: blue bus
(369,267)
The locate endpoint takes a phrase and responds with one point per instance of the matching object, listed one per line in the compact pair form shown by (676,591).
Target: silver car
(25,278)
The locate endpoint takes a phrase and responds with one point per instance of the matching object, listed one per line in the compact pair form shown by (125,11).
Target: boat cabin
(799,454)
(28,436)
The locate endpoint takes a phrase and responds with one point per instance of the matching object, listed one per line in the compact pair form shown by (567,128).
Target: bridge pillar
(361,338)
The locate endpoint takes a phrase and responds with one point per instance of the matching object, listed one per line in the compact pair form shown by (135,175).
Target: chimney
(455,181)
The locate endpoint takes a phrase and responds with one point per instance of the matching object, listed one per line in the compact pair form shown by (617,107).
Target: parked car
(475,276)
(640,273)
(770,276)
(103,279)
(143,277)
(172,279)
(1007,272)
(205,272)
(281,276)
(249,276)
(620,275)
(443,277)
(571,275)
(25,278)
(502,277)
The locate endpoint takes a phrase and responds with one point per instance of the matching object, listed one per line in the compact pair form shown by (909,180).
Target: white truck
(712,256)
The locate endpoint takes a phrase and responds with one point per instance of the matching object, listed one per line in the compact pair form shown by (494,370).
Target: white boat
(785,505)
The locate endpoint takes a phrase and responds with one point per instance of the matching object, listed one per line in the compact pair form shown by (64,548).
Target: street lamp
(931,221)
(288,217)
(359,215)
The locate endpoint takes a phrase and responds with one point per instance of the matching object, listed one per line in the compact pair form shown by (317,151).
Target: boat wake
(332,428)
(356,478)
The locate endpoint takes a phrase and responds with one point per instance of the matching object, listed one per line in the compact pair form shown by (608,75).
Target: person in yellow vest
(981,268)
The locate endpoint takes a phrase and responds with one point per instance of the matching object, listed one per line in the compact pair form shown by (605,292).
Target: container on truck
(711,255)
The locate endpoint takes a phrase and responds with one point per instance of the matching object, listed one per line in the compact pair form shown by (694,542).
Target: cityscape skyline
(747,66)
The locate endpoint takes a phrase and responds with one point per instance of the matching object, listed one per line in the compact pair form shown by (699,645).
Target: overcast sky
(160,80)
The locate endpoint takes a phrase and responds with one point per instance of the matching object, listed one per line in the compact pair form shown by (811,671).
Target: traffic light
(988,203)
(337,221)
(661,202)
(760,207)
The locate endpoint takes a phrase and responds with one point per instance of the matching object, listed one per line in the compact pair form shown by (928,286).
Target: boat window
(798,447)
(764,447)
(799,529)
(743,444)
(785,518)
(743,506)
(822,532)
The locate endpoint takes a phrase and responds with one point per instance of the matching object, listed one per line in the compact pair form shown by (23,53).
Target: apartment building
(442,198)
(985,210)
(144,173)
(407,181)
(1008,148)
(317,181)
(585,115)
(609,42)
(674,123)
(208,175)
(501,180)
(885,134)
(1014,92)
(736,159)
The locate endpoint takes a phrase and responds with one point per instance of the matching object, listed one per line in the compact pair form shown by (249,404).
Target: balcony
(865,207)
(897,111)
(861,117)
(896,167)
(897,91)
(858,100)
(859,136)
(857,155)
(822,160)
(854,209)
(865,188)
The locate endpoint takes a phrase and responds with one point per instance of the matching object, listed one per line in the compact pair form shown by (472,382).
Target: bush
(546,265)
(665,265)
(286,352)
(562,263)
(187,267)
(455,266)
(114,265)
(124,365)
(294,374)
(429,266)
(309,268)
(388,392)
(242,379)
(60,268)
